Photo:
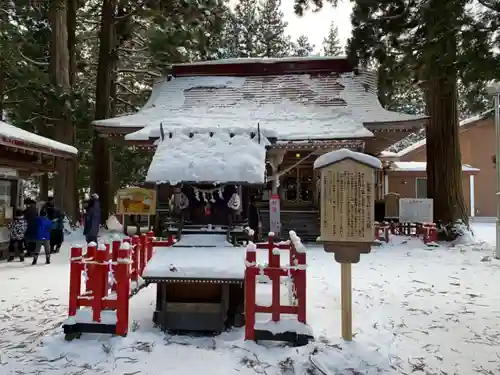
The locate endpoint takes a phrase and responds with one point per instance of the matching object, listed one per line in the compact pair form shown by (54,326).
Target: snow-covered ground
(417,310)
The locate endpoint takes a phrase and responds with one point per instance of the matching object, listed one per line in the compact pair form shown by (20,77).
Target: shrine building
(255,127)
(23,154)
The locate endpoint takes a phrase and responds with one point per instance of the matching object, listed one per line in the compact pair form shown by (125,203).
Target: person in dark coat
(17,229)
(254,218)
(30,214)
(92,219)
(55,215)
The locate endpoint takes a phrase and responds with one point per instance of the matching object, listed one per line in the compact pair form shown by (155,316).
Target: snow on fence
(111,274)
(295,271)
(427,232)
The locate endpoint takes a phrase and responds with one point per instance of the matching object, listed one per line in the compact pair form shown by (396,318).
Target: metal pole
(497,163)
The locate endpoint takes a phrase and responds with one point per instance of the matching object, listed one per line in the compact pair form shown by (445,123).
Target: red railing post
(429,233)
(301,286)
(98,275)
(105,282)
(115,246)
(386,233)
(150,237)
(250,289)
(123,289)
(135,258)
(75,279)
(433,233)
(143,252)
(299,275)
(88,259)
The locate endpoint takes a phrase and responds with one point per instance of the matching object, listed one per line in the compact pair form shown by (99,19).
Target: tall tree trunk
(65,182)
(73,165)
(3,61)
(444,165)
(101,169)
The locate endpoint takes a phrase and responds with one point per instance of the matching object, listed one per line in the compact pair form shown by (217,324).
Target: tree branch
(133,50)
(132,12)
(490,4)
(127,89)
(140,71)
(30,60)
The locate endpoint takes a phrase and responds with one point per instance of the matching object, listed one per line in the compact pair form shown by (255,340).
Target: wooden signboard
(274,214)
(347,202)
(412,210)
(391,201)
(347,215)
(136,201)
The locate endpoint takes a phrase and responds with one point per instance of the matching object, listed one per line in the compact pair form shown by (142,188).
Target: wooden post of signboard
(347,203)
(346,300)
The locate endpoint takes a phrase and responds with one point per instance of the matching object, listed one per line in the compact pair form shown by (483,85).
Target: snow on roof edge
(217,158)
(344,153)
(421,166)
(422,142)
(11,131)
(262,60)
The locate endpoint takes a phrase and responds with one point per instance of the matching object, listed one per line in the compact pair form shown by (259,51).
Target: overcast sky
(316,25)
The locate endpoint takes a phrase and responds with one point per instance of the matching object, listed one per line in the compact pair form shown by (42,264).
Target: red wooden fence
(427,232)
(296,270)
(111,274)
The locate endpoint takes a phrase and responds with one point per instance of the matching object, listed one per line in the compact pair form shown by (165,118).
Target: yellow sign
(136,201)
(347,202)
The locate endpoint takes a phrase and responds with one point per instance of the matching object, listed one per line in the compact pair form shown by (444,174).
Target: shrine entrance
(199,204)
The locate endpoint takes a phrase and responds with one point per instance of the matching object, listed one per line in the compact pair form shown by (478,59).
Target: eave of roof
(246,67)
(12,136)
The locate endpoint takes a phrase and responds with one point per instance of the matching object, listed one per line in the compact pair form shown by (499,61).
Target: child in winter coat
(57,233)
(17,229)
(43,237)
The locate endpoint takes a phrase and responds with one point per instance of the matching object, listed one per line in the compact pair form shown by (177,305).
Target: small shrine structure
(256,126)
(22,155)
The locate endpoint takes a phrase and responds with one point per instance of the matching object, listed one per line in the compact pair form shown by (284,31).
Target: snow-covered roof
(184,263)
(219,158)
(295,106)
(344,153)
(262,60)
(421,166)
(9,133)
(422,142)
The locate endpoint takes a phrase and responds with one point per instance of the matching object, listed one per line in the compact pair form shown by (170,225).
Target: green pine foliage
(302,47)
(331,44)
(272,38)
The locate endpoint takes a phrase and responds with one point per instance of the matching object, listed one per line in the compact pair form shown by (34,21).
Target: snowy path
(416,311)
(33,302)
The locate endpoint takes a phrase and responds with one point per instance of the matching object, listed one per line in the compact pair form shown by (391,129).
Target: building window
(5,193)
(299,185)
(421,187)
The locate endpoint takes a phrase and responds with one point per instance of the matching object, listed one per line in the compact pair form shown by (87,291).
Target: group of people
(31,230)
